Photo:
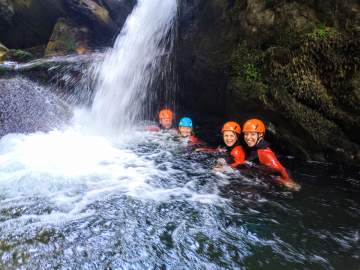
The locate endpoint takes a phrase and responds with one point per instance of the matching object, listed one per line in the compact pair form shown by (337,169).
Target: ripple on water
(147,202)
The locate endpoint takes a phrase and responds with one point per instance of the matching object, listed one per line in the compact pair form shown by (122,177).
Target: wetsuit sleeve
(210,150)
(238,155)
(195,140)
(269,159)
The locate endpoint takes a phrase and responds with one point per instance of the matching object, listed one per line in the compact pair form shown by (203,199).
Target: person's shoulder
(263,144)
(195,140)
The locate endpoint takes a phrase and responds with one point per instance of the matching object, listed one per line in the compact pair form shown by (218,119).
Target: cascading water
(135,61)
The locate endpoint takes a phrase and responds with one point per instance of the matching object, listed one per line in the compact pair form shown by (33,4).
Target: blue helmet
(185,122)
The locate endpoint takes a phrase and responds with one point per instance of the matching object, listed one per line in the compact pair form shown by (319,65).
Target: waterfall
(140,55)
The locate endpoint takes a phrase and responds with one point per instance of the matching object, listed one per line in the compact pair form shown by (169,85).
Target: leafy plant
(321,32)
(251,73)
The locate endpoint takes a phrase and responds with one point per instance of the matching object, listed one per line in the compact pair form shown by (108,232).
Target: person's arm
(195,140)
(238,155)
(269,159)
(210,150)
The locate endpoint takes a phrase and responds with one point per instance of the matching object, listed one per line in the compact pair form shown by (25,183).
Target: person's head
(166,118)
(254,130)
(185,127)
(231,132)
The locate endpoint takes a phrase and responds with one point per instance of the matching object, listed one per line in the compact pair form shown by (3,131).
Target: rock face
(30,23)
(93,15)
(119,9)
(295,64)
(67,37)
(28,107)
(3,51)
(27,23)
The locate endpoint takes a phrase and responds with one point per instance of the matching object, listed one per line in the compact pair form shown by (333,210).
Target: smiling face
(251,138)
(185,131)
(229,137)
(165,123)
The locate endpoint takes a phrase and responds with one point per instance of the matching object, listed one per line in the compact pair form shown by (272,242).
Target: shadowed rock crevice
(292,63)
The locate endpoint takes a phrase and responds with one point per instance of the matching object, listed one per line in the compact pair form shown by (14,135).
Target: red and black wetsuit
(236,156)
(158,128)
(193,140)
(262,154)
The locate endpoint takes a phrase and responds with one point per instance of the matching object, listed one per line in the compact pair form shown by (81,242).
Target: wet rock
(92,14)
(119,9)
(31,20)
(292,63)
(68,37)
(3,51)
(19,56)
(257,15)
(6,13)
(26,107)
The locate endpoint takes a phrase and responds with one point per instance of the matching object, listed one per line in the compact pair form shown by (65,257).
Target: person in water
(235,155)
(258,151)
(166,117)
(186,131)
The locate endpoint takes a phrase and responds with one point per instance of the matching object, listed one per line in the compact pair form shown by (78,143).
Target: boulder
(26,107)
(6,13)
(3,51)
(94,16)
(68,37)
(18,55)
(31,20)
(119,10)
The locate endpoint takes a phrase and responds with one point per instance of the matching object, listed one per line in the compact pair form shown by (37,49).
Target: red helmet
(166,113)
(231,126)
(254,125)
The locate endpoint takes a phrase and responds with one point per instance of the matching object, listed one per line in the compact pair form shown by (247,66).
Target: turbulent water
(149,202)
(73,198)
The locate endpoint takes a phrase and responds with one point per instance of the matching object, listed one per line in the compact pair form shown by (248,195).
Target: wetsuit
(262,154)
(193,140)
(158,128)
(235,155)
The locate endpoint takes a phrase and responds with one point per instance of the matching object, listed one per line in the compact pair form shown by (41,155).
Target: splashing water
(131,66)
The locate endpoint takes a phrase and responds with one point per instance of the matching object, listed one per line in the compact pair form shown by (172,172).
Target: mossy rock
(67,37)
(19,56)
(3,52)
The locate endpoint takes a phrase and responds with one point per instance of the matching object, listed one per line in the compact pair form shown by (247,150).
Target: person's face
(185,131)
(166,122)
(251,138)
(229,137)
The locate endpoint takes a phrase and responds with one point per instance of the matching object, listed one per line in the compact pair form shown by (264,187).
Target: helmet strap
(260,137)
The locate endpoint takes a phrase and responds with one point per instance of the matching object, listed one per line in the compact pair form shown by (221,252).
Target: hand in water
(293,186)
(221,162)
(290,184)
(220,166)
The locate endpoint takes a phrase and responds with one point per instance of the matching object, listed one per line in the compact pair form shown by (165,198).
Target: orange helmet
(254,125)
(166,113)
(231,126)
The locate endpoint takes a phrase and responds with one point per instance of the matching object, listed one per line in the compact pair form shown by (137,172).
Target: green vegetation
(19,55)
(321,32)
(251,73)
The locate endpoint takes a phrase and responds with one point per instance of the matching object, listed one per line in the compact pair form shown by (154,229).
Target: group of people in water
(243,147)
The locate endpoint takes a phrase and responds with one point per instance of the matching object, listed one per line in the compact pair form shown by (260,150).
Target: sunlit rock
(67,37)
